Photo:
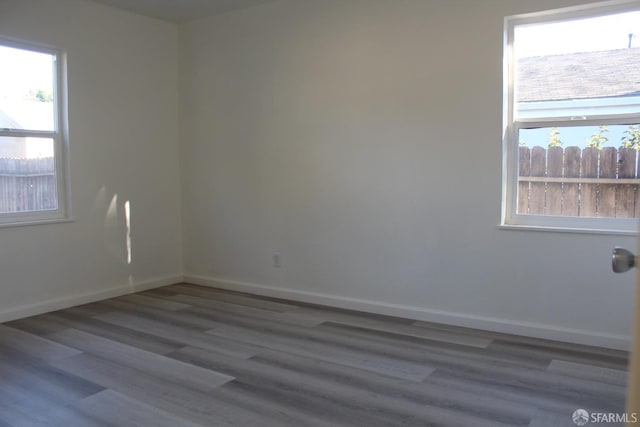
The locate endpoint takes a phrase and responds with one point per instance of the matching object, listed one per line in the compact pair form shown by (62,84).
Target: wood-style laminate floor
(186,355)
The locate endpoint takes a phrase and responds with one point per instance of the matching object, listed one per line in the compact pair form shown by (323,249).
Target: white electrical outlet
(276,259)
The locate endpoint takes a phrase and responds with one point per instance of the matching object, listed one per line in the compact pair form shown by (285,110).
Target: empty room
(319,213)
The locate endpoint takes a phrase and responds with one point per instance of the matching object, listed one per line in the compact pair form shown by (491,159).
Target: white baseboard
(86,298)
(577,336)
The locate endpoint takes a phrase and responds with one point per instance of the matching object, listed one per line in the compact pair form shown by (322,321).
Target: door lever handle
(622,260)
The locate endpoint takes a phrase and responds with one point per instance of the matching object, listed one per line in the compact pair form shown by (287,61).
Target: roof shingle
(584,75)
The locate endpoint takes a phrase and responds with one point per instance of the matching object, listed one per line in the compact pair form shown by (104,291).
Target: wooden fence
(579,182)
(27,185)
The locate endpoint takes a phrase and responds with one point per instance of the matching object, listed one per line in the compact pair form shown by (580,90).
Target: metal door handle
(622,260)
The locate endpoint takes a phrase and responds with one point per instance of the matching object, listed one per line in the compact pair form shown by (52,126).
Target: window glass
(26,89)
(572,130)
(32,135)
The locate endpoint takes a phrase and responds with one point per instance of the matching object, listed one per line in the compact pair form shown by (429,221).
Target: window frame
(511,126)
(59,135)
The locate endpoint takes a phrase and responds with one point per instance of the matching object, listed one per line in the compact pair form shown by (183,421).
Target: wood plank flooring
(187,356)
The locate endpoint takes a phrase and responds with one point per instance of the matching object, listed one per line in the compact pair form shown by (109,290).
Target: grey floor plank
(36,394)
(182,335)
(326,398)
(223,306)
(291,332)
(513,394)
(38,325)
(163,292)
(17,413)
(87,310)
(616,359)
(151,301)
(288,387)
(180,318)
(589,372)
(153,391)
(333,310)
(119,410)
(216,408)
(568,352)
(135,338)
(552,419)
(24,372)
(22,407)
(323,351)
(234,298)
(469,402)
(540,385)
(305,316)
(66,417)
(151,363)
(276,408)
(379,352)
(60,416)
(321,316)
(34,345)
(564,419)
(438,353)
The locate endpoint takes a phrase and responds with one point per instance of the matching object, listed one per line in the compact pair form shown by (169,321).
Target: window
(572,118)
(33,181)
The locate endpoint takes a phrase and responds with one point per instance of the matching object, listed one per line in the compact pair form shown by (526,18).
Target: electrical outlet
(276,259)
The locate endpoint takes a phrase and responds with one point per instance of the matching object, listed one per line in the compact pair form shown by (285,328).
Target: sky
(22,72)
(583,35)
(577,136)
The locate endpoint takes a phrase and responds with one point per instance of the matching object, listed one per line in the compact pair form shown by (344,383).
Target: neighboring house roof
(604,74)
(7,122)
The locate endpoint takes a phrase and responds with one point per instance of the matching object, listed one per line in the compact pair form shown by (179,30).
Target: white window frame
(59,136)
(509,216)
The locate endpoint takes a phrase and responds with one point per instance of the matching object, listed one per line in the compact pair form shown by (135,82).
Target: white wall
(362,140)
(123,116)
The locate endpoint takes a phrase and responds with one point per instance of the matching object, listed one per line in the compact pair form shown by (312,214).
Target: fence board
(524,169)
(27,185)
(554,190)
(570,196)
(626,194)
(589,193)
(607,192)
(537,189)
(574,182)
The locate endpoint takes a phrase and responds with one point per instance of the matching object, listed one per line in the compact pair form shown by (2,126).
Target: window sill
(542,228)
(36,222)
